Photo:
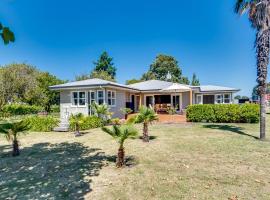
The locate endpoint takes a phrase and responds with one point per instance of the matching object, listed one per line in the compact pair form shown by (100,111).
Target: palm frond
(241,6)
(109,131)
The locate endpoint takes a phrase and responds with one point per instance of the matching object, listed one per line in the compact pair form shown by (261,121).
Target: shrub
(55,109)
(21,109)
(42,123)
(89,122)
(223,113)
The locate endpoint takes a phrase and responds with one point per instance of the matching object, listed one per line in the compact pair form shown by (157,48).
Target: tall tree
(6,34)
(160,68)
(195,81)
(184,80)
(104,63)
(259,16)
(132,81)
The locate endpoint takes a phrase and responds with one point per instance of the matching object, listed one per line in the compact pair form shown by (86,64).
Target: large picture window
(100,97)
(78,98)
(111,98)
(223,98)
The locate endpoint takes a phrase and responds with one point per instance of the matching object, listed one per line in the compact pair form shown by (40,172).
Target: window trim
(199,95)
(217,98)
(97,97)
(78,98)
(230,98)
(112,91)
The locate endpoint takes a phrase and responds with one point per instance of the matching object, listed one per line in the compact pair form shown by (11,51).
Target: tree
(184,80)
(121,133)
(101,111)
(6,34)
(11,131)
(77,120)
(104,63)
(47,97)
(195,81)
(133,81)
(259,16)
(18,83)
(237,97)
(146,115)
(82,77)
(160,68)
(102,75)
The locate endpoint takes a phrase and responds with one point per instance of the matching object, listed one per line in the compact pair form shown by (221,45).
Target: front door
(137,103)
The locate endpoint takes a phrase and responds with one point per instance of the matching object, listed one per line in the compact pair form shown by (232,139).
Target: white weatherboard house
(76,97)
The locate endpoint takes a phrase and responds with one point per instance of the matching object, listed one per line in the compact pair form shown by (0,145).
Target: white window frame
(201,96)
(229,98)
(111,98)
(103,91)
(216,98)
(78,99)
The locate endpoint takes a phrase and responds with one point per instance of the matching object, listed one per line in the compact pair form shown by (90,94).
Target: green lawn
(193,161)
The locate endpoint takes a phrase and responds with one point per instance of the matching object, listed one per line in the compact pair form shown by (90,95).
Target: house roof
(151,85)
(95,82)
(215,88)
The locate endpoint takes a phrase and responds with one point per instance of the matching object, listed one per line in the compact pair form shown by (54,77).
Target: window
(92,97)
(199,99)
(78,98)
(100,97)
(219,98)
(111,98)
(227,98)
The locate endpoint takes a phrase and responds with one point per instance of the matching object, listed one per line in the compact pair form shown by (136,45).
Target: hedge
(90,122)
(224,113)
(20,109)
(42,123)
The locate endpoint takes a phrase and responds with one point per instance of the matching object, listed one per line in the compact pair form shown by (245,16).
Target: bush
(89,122)
(20,109)
(224,113)
(55,109)
(42,123)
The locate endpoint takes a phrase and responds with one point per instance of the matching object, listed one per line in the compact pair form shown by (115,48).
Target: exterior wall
(185,99)
(66,107)
(120,103)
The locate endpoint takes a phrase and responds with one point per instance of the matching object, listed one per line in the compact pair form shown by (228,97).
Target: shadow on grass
(51,171)
(151,137)
(230,128)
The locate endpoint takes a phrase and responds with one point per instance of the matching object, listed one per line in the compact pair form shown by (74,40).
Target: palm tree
(11,131)
(77,120)
(121,133)
(146,115)
(259,16)
(101,111)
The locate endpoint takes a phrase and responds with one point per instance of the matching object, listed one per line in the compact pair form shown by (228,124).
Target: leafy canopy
(121,133)
(146,115)
(104,63)
(6,34)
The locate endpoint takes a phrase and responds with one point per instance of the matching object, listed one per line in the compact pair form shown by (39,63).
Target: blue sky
(65,37)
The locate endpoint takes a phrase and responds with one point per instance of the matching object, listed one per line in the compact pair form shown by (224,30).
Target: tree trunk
(145,132)
(262,45)
(77,132)
(16,150)
(120,162)
(262,117)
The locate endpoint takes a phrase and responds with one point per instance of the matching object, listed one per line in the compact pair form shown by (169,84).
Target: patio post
(190,97)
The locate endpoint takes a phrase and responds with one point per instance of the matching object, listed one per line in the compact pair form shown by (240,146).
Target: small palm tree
(11,131)
(101,111)
(259,16)
(77,120)
(146,115)
(121,133)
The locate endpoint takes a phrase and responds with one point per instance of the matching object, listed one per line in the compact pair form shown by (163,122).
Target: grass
(185,161)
